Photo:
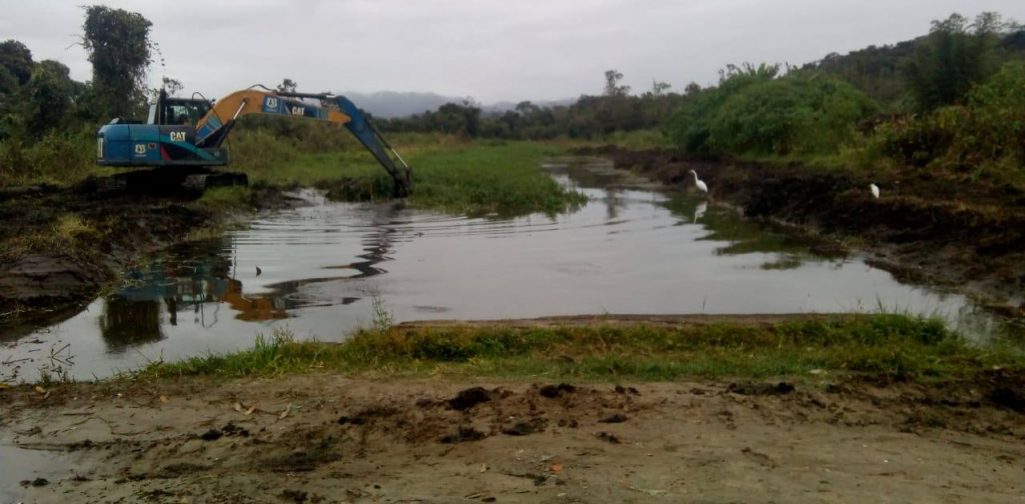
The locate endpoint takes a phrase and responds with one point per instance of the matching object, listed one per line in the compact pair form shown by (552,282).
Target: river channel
(319,270)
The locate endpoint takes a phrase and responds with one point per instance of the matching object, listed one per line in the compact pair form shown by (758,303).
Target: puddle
(20,464)
(315,271)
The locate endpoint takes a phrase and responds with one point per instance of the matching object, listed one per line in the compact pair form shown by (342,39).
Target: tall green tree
(15,70)
(956,55)
(48,97)
(16,59)
(120,51)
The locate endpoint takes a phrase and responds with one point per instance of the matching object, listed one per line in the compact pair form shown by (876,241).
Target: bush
(995,125)
(690,126)
(58,157)
(792,115)
(753,112)
(987,132)
(918,140)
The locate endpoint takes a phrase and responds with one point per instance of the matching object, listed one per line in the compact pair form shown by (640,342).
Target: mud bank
(61,246)
(328,438)
(925,228)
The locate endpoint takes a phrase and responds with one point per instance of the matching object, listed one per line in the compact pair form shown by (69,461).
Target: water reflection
(127,322)
(699,211)
(742,237)
(192,282)
(633,248)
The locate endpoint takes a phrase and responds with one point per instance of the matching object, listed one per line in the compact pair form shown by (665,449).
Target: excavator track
(169,181)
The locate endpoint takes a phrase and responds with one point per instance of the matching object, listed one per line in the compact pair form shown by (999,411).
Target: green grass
(474,178)
(59,158)
(496,178)
(891,345)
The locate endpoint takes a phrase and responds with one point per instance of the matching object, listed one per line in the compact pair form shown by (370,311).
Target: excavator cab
(177,111)
(167,138)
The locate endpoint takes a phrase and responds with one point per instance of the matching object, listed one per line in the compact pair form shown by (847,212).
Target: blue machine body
(120,144)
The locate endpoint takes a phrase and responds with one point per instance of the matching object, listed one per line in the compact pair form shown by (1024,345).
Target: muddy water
(318,271)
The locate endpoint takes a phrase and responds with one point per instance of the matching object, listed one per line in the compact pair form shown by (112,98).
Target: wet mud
(46,276)
(321,438)
(927,228)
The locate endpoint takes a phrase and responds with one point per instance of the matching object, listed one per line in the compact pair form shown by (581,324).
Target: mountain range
(391,104)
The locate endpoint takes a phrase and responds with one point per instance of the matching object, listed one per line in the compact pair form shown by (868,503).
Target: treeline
(48,120)
(589,117)
(952,99)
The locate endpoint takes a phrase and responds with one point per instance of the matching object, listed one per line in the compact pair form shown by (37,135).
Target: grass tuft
(892,345)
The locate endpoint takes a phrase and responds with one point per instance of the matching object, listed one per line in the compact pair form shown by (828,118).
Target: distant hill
(879,70)
(876,70)
(392,104)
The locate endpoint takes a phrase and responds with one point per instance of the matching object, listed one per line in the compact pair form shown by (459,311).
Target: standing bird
(875,190)
(700,184)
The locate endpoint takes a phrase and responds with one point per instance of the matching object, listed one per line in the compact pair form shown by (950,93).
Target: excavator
(184,136)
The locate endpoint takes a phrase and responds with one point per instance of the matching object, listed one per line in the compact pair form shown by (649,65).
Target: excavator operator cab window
(185,111)
(177,112)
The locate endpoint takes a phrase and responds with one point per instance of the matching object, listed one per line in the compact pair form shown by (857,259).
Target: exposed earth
(327,438)
(47,274)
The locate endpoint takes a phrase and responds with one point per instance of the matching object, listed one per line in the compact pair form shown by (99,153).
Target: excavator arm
(166,142)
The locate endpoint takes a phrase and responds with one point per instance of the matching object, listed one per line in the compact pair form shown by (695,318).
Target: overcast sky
(490,50)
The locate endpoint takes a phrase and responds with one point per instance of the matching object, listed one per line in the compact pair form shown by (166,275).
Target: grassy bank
(892,345)
(449,174)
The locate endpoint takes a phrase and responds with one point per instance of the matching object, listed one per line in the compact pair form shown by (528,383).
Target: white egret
(700,184)
(875,190)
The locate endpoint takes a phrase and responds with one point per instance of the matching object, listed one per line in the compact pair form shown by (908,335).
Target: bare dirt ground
(327,438)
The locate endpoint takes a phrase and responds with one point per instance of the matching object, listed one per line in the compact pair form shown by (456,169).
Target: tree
(658,88)
(119,49)
(287,86)
(796,114)
(8,84)
(16,59)
(612,87)
(169,85)
(456,119)
(689,126)
(47,97)
(956,55)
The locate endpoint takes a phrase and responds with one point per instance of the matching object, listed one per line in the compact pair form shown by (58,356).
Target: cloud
(491,50)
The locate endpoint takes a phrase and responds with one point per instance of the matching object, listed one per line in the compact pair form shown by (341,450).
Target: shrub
(800,114)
